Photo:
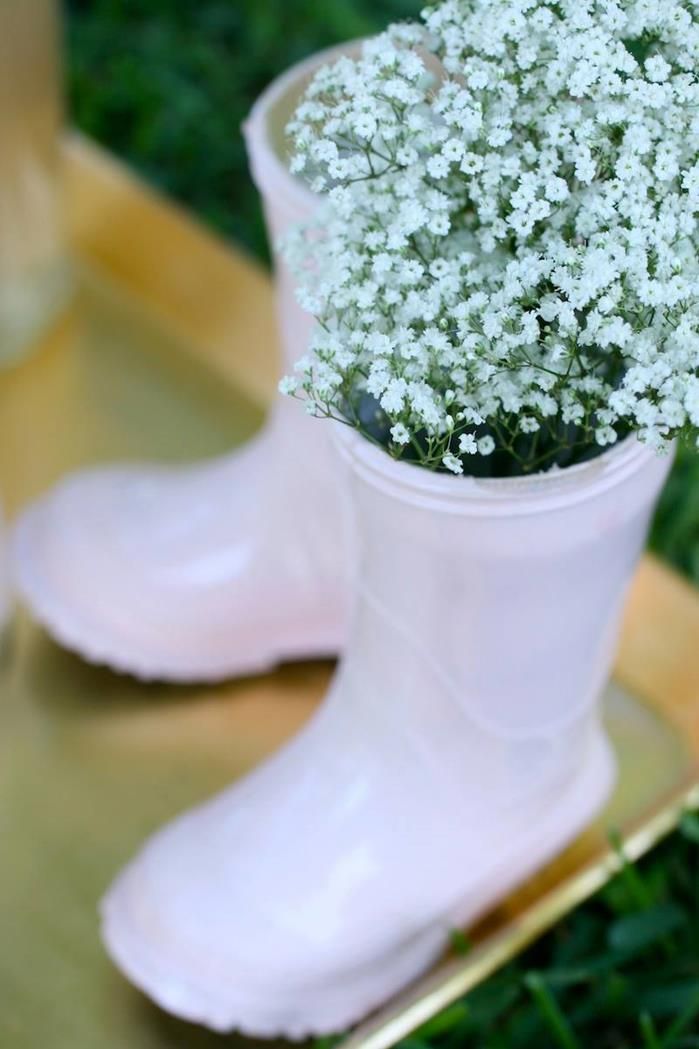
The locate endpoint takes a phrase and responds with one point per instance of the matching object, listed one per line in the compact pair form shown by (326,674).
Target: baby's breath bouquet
(505,273)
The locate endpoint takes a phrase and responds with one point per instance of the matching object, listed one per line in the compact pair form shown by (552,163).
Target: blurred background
(167,84)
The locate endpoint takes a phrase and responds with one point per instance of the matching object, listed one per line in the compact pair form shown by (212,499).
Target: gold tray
(169,353)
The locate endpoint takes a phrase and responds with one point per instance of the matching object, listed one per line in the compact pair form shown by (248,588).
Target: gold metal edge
(207,291)
(462,975)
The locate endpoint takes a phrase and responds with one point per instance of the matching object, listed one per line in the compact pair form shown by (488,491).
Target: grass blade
(681,1024)
(650,1035)
(550,1012)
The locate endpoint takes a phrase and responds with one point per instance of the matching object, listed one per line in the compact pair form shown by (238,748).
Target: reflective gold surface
(35,276)
(169,353)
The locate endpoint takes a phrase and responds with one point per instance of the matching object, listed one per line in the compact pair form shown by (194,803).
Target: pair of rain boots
(460,744)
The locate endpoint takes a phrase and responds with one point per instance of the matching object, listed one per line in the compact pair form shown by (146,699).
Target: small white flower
(400,434)
(393,397)
(657,69)
(438,166)
(556,189)
(468,444)
(606,435)
(452,463)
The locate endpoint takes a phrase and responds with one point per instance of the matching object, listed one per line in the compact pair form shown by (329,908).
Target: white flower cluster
(508,260)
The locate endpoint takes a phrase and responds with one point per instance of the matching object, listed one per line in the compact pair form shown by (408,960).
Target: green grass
(166,84)
(617,973)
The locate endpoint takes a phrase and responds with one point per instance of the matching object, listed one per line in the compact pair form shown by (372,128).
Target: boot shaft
(286,200)
(489,611)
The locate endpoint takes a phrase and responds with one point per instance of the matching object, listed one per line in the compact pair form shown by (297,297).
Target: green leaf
(550,1012)
(634,932)
(689,827)
(686,1017)
(453,1016)
(326,1041)
(414,1043)
(671,999)
(650,1035)
(460,943)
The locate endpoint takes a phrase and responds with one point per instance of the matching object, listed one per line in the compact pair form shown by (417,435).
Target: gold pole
(34,275)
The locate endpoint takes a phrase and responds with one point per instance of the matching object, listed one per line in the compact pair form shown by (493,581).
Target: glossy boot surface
(458,749)
(214,570)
